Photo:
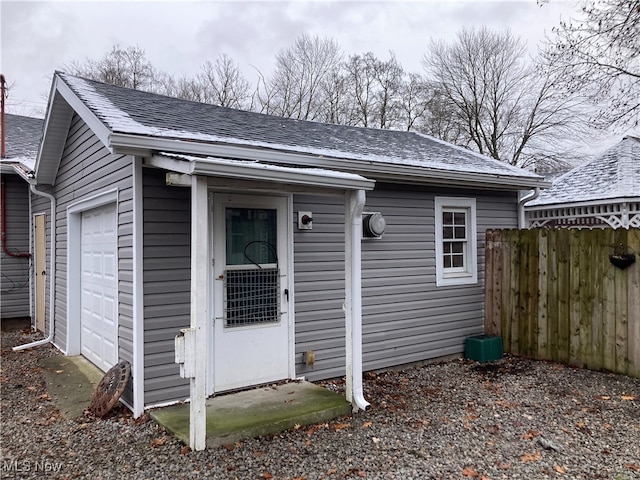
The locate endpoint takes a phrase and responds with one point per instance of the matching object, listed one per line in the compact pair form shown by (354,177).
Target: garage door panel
(99,286)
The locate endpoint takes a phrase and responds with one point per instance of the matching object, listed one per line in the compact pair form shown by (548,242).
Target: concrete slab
(71,382)
(257,412)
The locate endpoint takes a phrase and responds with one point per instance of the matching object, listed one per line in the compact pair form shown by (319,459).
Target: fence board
(553,294)
(542,337)
(633,299)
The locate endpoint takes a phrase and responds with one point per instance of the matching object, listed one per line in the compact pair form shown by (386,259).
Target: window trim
(453,276)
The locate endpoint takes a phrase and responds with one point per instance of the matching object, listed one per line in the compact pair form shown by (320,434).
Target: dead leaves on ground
(471,472)
(158,442)
(624,397)
(531,457)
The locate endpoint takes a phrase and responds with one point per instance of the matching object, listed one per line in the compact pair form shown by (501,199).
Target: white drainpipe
(353,299)
(51,273)
(527,198)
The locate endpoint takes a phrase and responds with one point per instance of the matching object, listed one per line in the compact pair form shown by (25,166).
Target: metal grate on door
(251,296)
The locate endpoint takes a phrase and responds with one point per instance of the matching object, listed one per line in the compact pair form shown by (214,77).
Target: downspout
(353,299)
(3,200)
(52,275)
(3,93)
(527,198)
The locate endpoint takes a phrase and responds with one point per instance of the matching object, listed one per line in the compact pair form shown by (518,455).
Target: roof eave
(585,203)
(63,102)
(123,143)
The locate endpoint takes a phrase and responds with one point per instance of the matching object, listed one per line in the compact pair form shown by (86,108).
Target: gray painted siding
(15,271)
(406,318)
(87,168)
(167,284)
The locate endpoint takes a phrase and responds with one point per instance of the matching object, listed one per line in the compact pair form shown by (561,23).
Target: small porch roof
(259,171)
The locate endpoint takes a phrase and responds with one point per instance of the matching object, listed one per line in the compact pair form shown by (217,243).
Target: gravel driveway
(513,419)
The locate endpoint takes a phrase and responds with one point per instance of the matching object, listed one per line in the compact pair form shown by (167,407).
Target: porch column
(353,298)
(199,289)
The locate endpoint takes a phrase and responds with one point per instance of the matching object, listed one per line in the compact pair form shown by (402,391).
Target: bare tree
(376,89)
(335,93)
(441,120)
(389,78)
(125,67)
(296,86)
(361,81)
(599,54)
(415,97)
(502,102)
(223,83)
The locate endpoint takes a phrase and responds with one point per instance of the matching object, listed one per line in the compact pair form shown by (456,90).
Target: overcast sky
(179,36)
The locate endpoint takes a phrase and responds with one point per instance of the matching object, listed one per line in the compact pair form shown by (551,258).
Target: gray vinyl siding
(406,318)
(87,168)
(167,284)
(15,271)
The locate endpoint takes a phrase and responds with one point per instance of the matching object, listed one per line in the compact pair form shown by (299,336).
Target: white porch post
(353,298)
(199,289)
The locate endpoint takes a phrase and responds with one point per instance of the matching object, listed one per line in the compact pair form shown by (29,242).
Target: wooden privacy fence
(554,294)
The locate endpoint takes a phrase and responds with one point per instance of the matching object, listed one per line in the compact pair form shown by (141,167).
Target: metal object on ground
(110,388)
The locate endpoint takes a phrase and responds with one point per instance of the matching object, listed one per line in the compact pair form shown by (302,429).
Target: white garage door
(99,331)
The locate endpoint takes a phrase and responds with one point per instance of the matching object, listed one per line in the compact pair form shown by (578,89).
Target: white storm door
(251,324)
(99,286)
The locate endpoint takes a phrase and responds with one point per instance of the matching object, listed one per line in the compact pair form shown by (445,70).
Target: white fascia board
(93,122)
(60,92)
(141,145)
(262,172)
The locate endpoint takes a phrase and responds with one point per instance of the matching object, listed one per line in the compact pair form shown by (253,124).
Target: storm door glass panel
(252,275)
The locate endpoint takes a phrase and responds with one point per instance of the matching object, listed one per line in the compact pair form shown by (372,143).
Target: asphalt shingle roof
(135,112)
(614,174)
(22,137)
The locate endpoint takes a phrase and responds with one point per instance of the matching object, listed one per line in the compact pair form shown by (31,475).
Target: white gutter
(52,275)
(527,198)
(353,298)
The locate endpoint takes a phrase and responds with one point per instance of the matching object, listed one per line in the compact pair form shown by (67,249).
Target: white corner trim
(138,291)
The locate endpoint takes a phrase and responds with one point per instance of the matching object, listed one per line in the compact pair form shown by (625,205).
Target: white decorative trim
(470,275)
(615,215)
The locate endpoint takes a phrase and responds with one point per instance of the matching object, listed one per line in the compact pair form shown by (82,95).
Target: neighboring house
(604,192)
(22,137)
(248,227)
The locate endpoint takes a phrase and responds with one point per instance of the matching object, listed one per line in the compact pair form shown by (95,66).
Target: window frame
(468,274)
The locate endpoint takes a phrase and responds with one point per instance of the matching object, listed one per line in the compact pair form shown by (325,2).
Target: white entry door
(99,333)
(251,291)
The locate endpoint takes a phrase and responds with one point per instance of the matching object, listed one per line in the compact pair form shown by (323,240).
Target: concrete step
(261,411)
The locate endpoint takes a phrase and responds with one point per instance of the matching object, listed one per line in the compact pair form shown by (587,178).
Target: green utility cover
(483,348)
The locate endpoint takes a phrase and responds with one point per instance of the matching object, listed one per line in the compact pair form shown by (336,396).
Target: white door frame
(210,390)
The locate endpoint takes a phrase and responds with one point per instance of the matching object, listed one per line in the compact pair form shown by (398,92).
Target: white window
(456,241)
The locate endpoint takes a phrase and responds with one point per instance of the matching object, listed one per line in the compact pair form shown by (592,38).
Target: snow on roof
(135,112)
(22,139)
(614,174)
